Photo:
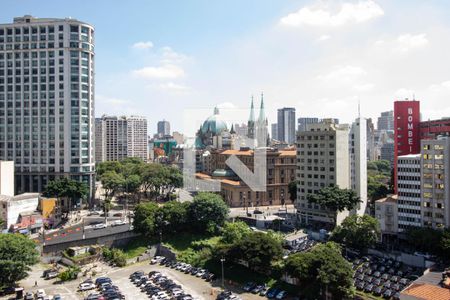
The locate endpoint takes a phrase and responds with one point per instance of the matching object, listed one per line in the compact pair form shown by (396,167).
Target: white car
(86,286)
(99,226)
(118,223)
(40,293)
(156,259)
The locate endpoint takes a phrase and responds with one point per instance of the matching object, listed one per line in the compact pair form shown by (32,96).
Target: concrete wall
(408,259)
(114,240)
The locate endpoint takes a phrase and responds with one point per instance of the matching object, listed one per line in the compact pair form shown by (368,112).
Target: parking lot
(382,277)
(197,287)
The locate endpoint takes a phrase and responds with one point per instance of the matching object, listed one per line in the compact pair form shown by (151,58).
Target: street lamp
(222,260)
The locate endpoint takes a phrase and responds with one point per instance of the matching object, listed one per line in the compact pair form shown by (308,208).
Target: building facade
(302,122)
(386,121)
(431,129)
(408,191)
(358,162)
(281,167)
(12,206)
(406,130)
(121,137)
(386,212)
(323,160)
(7,178)
(274,131)
(435,184)
(286,125)
(163,128)
(47,100)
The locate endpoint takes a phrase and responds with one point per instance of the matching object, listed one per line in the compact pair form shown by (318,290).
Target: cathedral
(214,132)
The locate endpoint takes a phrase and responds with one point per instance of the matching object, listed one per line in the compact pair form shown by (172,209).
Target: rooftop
(427,292)
(388,199)
(19,197)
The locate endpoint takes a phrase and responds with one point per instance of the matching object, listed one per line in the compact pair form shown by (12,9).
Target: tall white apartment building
(408,191)
(322,160)
(137,138)
(435,184)
(358,162)
(47,100)
(121,137)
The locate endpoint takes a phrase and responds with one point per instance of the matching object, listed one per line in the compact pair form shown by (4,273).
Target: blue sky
(161,58)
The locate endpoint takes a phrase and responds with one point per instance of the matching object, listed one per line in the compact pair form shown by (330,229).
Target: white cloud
(323,38)
(321,15)
(143,45)
(406,42)
(364,87)
(443,86)
(226,105)
(343,74)
(169,56)
(162,72)
(404,93)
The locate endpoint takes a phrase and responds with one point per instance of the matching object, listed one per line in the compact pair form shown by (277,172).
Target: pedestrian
(35,283)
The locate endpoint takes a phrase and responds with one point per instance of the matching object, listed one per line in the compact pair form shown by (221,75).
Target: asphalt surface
(75,232)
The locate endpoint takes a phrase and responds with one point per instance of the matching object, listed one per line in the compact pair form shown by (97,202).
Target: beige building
(435,184)
(7,178)
(323,160)
(280,172)
(386,213)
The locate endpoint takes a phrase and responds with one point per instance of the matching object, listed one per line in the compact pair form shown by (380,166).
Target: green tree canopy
(324,269)
(66,188)
(144,220)
(17,254)
(234,232)
(207,212)
(335,199)
(292,188)
(358,232)
(258,249)
(174,216)
(112,182)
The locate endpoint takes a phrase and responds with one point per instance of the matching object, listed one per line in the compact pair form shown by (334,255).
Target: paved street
(197,287)
(76,233)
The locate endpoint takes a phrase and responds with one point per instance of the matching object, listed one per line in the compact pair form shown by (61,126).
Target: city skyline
(280,48)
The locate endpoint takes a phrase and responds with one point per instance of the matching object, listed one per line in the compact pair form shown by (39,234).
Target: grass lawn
(367,296)
(135,247)
(181,242)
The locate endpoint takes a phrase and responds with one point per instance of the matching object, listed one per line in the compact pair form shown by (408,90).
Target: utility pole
(222,260)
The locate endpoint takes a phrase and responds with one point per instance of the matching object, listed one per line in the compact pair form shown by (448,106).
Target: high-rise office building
(302,122)
(323,160)
(408,189)
(121,137)
(163,128)
(406,130)
(286,125)
(274,131)
(47,100)
(435,186)
(372,150)
(431,129)
(386,121)
(358,162)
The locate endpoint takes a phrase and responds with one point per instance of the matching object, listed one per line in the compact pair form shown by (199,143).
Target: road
(267,210)
(75,232)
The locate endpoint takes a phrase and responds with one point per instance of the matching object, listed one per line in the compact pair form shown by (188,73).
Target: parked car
(86,286)
(51,275)
(281,295)
(118,223)
(99,226)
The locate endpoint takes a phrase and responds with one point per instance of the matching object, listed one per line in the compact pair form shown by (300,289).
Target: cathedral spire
(252,112)
(262,114)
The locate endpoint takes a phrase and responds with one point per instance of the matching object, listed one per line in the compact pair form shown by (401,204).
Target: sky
(164,59)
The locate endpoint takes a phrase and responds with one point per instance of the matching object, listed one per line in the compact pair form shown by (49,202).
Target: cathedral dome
(214,124)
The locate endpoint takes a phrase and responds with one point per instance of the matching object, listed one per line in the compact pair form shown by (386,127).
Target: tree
(292,188)
(103,167)
(258,249)
(174,216)
(207,212)
(233,232)
(358,232)
(17,254)
(324,269)
(67,188)
(112,182)
(335,199)
(1,222)
(144,220)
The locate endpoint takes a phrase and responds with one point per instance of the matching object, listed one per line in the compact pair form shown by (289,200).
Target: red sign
(406,130)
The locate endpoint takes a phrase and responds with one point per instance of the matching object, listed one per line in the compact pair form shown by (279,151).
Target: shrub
(70,274)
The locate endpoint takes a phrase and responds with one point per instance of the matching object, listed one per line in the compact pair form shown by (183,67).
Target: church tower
(251,123)
(262,133)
